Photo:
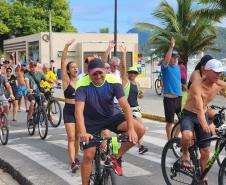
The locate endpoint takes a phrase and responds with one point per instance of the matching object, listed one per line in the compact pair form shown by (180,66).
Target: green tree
(192,33)
(24,17)
(104,30)
(213,9)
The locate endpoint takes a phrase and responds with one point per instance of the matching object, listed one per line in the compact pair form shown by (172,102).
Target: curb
(8,168)
(144,114)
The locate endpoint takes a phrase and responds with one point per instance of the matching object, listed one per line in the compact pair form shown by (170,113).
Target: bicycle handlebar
(99,139)
(215,107)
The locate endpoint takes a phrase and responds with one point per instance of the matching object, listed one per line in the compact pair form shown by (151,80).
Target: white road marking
(49,162)
(129,169)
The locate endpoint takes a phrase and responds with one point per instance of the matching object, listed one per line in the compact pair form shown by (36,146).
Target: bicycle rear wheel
(30,126)
(4,132)
(171,165)
(158,87)
(222,173)
(176,130)
(42,124)
(54,113)
(109,177)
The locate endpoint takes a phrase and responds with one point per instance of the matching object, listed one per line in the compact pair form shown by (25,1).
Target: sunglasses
(33,65)
(9,71)
(133,72)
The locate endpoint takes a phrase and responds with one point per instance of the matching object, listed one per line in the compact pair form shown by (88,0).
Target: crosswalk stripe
(49,162)
(25,130)
(129,169)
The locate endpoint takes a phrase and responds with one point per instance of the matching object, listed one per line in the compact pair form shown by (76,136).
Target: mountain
(220,42)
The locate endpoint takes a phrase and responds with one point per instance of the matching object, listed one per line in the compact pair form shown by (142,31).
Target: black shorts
(110,124)
(31,97)
(183,81)
(190,122)
(171,106)
(69,113)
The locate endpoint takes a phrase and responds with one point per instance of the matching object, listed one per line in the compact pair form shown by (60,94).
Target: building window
(33,51)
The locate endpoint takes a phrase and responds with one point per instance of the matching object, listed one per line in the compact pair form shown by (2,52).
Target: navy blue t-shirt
(99,100)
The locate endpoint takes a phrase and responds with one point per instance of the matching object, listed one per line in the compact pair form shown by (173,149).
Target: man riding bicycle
(96,111)
(195,117)
(33,79)
(4,88)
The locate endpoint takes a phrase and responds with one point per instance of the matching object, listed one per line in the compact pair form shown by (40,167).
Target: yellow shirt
(46,85)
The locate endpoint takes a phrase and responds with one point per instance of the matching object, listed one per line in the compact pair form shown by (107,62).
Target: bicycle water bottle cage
(114,143)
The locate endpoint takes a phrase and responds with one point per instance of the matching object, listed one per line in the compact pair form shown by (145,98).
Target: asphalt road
(45,162)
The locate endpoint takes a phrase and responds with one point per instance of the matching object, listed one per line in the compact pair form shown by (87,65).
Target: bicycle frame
(193,154)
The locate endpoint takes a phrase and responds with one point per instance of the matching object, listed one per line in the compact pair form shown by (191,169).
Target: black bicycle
(173,171)
(159,84)
(39,117)
(103,172)
(54,110)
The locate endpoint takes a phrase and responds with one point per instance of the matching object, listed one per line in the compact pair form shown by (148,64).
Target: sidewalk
(6,179)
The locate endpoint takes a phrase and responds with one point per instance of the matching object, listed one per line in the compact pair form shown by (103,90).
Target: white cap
(214,65)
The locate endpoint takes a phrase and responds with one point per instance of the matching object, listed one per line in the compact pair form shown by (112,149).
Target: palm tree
(214,9)
(192,33)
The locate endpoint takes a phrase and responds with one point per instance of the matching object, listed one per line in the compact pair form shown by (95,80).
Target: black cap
(96,65)
(32,62)
(6,62)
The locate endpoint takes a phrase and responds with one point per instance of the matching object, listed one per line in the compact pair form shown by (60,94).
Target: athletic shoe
(75,166)
(142,149)
(117,167)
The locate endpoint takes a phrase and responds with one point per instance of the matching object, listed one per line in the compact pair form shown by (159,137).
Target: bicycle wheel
(4,132)
(95,177)
(30,126)
(54,113)
(176,131)
(158,87)
(171,165)
(109,177)
(42,124)
(222,173)
(222,155)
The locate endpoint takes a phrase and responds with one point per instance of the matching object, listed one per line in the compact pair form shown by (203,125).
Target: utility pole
(50,39)
(115,28)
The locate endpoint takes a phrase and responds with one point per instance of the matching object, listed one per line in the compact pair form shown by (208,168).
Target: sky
(92,15)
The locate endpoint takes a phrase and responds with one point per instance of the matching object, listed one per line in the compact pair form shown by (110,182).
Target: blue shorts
(22,90)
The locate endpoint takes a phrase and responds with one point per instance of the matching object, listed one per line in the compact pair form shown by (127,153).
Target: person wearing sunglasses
(4,89)
(114,62)
(13,83)
(32,80)
(95,111)
(132,92)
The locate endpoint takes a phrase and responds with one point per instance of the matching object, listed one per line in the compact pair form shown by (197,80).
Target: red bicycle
(4,124)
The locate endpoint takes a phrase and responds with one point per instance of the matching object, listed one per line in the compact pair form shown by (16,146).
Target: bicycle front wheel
(4,132)
(109,177)
(222,173)
(158,87)
(42,124)
(171,165)
(222,155)
(30,126)
(54,113)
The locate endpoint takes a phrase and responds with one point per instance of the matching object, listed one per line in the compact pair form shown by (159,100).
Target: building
(37,47)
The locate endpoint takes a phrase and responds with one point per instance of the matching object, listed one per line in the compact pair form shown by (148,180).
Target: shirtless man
(201,93)
(22,88)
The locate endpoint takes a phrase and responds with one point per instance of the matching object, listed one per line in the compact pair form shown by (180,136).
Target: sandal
(187,164)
